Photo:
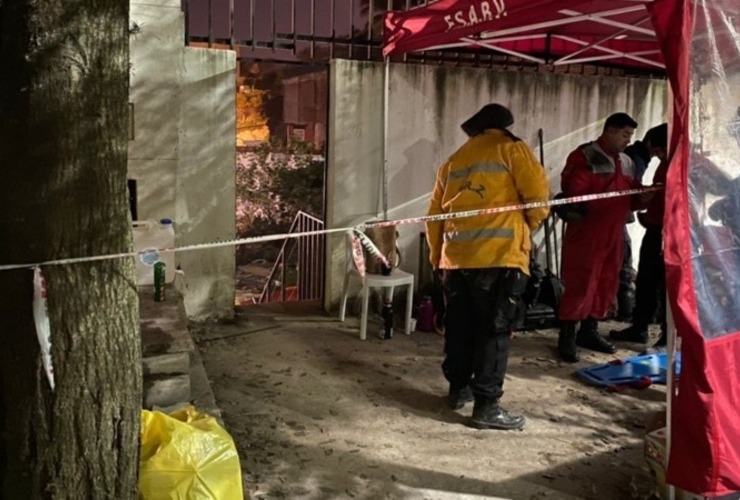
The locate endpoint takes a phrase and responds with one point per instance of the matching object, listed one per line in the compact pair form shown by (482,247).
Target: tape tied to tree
(41,319)
(358,230)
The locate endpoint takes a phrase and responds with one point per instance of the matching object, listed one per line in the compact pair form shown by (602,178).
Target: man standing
(640,153)
(484,258)
(650,285)
(593,245)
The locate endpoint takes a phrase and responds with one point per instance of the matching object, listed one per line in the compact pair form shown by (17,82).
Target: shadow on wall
(421,155)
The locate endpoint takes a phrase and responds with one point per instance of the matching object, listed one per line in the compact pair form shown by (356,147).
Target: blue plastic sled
(638,372)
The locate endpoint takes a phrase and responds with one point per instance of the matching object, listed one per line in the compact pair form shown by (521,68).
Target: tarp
(700,43)
(552,31)
(702,253)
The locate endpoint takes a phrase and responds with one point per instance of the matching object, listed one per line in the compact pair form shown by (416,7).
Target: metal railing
(298,272)
(282,29)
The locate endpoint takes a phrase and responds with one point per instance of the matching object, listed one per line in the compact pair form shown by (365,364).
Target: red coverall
(592,246)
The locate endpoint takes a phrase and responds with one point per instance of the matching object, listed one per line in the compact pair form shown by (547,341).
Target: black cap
(489,116)
(657,136)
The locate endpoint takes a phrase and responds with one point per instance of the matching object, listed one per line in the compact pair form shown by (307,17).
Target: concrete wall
(427,105)
(184,147)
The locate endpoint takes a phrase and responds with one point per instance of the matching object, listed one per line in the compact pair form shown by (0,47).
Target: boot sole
(487,425)
(569,359)
(603,350)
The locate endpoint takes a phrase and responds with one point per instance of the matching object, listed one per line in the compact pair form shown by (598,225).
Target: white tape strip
(358,229)
(368,243)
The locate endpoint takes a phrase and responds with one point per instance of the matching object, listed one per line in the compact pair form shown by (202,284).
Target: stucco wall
(156,55)
(427,105)
(206,195)
(183,151)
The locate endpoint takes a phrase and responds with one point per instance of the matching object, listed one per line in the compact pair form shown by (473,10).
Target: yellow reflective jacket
(489,170)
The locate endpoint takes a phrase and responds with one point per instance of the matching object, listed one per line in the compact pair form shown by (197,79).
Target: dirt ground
(250,280)
(317,413)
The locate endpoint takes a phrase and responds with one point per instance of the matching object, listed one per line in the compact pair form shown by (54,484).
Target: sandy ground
(316,413)
(250,281)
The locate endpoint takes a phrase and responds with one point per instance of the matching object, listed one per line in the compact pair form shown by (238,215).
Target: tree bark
(63,161)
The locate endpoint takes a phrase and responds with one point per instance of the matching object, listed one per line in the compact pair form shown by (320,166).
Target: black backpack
(541,299)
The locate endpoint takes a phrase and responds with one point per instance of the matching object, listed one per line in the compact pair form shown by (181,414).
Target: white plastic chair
(387,283)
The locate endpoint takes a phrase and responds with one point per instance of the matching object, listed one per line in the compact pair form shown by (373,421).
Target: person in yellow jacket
(484,259)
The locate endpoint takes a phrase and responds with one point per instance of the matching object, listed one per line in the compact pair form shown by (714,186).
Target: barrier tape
(510,208)
(368,243)
(358,229)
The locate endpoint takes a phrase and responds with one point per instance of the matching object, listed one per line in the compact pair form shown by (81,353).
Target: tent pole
(670,491)
(548,230)
(386,94)
(670,381)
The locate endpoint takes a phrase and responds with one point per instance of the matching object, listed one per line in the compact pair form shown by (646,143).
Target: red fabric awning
(579,31)
(699,250)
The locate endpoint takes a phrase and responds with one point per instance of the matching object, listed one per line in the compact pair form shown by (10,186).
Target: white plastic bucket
(149,237)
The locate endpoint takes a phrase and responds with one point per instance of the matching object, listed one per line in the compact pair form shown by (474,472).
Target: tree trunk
(63,154)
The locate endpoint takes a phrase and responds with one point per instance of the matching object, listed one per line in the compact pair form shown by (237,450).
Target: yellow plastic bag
(187,455)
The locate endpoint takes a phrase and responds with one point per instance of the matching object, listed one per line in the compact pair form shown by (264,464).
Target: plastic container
(425,321)
(149,237)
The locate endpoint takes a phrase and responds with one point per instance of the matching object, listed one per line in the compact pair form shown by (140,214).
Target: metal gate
(292,30)
(299,268)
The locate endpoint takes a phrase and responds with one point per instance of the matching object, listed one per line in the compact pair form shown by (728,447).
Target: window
(298,134)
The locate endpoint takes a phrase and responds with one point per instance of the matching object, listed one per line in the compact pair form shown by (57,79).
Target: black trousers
(481,308)
(627,256)
(650,283)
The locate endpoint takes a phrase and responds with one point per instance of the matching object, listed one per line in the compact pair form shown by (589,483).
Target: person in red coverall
(592,245)
(650,285)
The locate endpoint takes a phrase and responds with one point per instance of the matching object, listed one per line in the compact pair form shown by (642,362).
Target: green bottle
(159,294)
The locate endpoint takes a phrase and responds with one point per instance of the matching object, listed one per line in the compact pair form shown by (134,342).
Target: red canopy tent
(615,31)
(698,44)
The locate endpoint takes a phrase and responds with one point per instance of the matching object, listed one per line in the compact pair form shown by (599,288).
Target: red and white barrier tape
(356,229)
(511,208)
(368,243)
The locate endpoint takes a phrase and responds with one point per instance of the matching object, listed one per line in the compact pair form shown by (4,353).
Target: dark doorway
(280,179)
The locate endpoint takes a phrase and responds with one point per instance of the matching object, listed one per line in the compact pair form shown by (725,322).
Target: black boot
(588,325)
(488,415)
(588,337)
(630,334)
(457,397)
(567,342)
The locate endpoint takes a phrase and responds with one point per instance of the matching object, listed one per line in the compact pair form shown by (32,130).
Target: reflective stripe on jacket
(489,170)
